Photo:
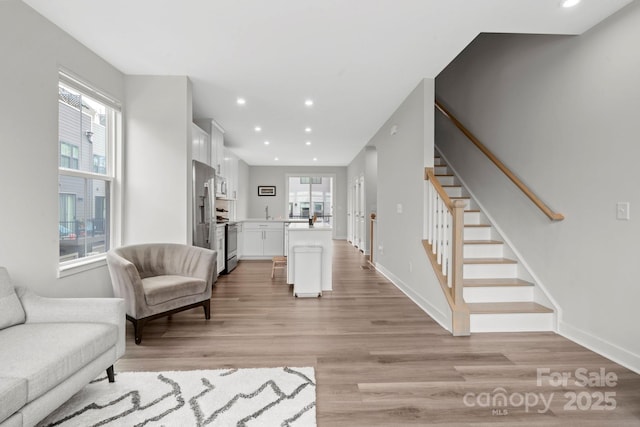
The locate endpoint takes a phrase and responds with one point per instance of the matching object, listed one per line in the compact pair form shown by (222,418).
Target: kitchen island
(309,261)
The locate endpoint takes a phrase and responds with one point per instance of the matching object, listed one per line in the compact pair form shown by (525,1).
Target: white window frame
(113,174)
(313,174)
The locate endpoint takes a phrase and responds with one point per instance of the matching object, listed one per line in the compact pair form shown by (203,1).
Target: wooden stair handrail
(554,216)
(429,175)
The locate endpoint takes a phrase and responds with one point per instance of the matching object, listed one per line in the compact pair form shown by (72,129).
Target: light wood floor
(379,359)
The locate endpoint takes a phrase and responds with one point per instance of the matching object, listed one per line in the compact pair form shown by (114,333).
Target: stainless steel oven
(231,246)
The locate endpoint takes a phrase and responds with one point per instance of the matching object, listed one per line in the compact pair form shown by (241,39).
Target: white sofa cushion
(13,396)
(45,354)
(11,311)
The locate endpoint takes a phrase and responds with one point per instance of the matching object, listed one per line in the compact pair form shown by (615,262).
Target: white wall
(157,177)
(32,50)
(401,161)
(242,202)
(562,112)
(276,175)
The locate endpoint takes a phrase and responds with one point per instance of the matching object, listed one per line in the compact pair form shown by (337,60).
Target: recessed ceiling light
(241,101)
(276,159)
(308,102)
(257,128)
(308,143)
(315,159)
(266,143)
(570,3)
(307,130)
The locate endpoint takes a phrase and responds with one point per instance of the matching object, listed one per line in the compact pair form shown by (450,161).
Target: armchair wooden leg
(207,309)
(138,325)
(111,375)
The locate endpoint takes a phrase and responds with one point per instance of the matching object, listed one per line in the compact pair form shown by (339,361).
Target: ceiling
(356,59)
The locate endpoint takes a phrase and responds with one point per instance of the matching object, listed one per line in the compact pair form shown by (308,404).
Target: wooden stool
(278,262)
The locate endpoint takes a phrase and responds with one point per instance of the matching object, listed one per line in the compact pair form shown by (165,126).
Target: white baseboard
(609,350)
(425,305)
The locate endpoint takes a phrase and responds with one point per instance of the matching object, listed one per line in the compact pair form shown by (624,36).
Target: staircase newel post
(461,322)
(457,250)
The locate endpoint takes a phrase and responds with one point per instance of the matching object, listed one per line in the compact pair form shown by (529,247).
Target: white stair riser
(440,169)
(498,294)
(472,217)
(489,271)
(516,322)
(477,233)
(453,191)
(446,180)
(438,161)
(483,251)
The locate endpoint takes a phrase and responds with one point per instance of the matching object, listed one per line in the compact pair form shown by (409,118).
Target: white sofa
(50,348)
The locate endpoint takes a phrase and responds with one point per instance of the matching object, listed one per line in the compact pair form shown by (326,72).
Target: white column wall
(157,202)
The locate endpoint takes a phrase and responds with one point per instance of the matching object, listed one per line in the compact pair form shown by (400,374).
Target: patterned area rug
(228,397)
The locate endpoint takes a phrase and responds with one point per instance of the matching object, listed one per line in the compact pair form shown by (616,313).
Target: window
(309,196)
(99,164)
(87,135)
(69,155)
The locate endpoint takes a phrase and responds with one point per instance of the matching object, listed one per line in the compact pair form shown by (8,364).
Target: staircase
(500,294)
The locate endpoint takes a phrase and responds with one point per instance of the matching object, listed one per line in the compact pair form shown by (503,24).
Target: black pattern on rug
(207,404)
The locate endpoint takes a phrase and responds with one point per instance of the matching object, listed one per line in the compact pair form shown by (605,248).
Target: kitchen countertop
(274,220)
(305,226)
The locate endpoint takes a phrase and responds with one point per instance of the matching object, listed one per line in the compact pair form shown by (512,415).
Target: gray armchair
(161,279)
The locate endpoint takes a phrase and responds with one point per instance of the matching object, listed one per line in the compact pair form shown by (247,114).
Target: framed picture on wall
(266,190)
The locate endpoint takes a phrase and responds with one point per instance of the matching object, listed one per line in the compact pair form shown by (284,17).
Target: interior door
(349,214)
(363,233)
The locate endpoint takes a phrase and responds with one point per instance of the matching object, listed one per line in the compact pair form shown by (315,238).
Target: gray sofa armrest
(126,283)
(89,310)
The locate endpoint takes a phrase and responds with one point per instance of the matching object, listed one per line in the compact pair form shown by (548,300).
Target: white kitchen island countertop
(305,226)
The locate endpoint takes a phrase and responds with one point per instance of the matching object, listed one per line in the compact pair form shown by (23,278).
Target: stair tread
(452,186)
(507,307)
(459,197)
(471,283)
(472,210)
(444,174)
(489,261)
(477,225)
(483,242)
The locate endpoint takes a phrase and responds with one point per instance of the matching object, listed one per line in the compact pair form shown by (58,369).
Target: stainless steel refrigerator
(204,199)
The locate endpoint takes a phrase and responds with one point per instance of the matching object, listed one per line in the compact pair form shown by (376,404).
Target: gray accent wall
(562,113)
(33,49)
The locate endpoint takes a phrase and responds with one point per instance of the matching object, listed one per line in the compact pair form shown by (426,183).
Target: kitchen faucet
(266,211)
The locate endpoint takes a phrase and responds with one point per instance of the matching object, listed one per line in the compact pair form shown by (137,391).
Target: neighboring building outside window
(99,164)
(87,135)
(69,155)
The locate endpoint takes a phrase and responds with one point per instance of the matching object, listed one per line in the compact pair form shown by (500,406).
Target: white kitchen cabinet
(232,176)
(273,243)
(262,240)
(220,247)
(200,145)
(252,243)
(216,142)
